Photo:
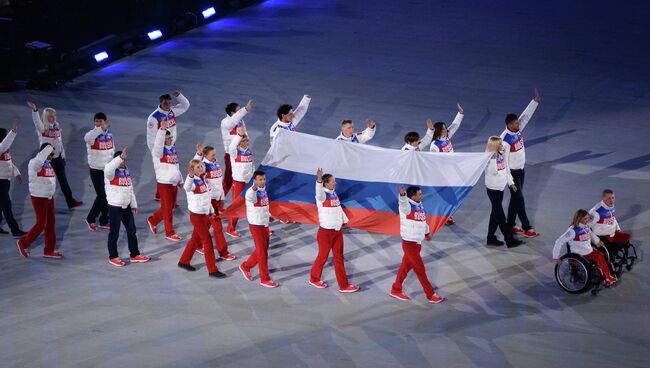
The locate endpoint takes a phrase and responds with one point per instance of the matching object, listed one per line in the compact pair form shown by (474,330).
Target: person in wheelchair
(580,238)
(603,223)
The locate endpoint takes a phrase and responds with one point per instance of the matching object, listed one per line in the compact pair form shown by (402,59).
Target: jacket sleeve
(367,134)
(158,144)
(15,170)
(345,217)
(111,166)
(232,149)
(134,203)
(152,129)
(6,143)
(525,116)
(37,162)
(426,140)
(455,124)
(593,217)
(561,241)
(38,123)
(182,106)
(189,184)
(509,178)
(404,207)
(320,193)
(301,110)
(594,238)
(251,195)
(231,121)
(92,134)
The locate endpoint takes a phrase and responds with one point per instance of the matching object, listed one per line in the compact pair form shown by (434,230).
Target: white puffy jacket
(497,173)
(579,239)
(424,142)
(298,114)
(119,185)
(42,181)
(156,117)
(603,220)
(49,135)
(241,161)
(165,161)
(7,167)
(229,126)
(213,176)
(100,147)
(513,142)
(199,196)
(444,144)
(330,212)
(413,225)
(361,137)
(257,207)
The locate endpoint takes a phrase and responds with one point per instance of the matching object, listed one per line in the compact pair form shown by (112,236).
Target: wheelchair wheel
(614,267)
(631,258)
(574,274)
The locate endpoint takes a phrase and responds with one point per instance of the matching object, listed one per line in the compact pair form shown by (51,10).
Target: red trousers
(227,174)
(412,260)
(260,255)
(619,237)
(200,238)
(600,261)
(330,240)
(167,194)
(217,229)
(45,221)
(237,188)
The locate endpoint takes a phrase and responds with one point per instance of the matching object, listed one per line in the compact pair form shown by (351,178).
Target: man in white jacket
(412,141)
(413,229)
(8,171)
(122,206)
(348,134)
(330,235)
(101,148)
(288,118)
(515,153)
(233,120)
(604,224)
(241,161)
(42,184)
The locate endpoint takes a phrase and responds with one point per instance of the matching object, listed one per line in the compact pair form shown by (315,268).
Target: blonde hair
(193,163)
(578,216)
(493,144)
(44,119)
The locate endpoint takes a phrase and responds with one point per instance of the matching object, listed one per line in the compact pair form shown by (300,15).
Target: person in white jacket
(49,131)
(497,177)
(515,152)
(442,134)
(257,213)
(241,161)
(412,141)
(101,148)
(42,184)
(580,240)
(348,134)
(413,230)
(213,176)
(168,180)
(234,119)
(604,224)
(331,219)
(288,118)
(199,198)
(8,171)
(122,207)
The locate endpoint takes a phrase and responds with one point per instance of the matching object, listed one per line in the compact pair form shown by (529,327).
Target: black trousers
(116,216)
(498,217)
(517,206)
(5,206)
(58,164)
(100,206)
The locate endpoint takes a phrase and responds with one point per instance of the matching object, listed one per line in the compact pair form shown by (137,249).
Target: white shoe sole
(316,285)
(398,298)
(151,227)
(174,240)
(90,228)
(20,251)
(349,291)
(53,257)
(244,273)
(269,286)
(115,264)
(232,235)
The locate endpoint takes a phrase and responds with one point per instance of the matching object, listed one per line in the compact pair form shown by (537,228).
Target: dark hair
(43,146)
(347,121)
(607,191)
(258,173)
(510,118)
(437,129)
(411,137)
(167,132)
(100,115)
(231,108)
(283,110)
(117,153)
(165,97)
(3,134)
(412,190)
(326,178)
(207,149)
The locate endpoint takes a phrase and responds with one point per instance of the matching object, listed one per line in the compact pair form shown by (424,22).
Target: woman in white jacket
(122,206)
(199,198)
(497,177)
(48,130)
(8,171)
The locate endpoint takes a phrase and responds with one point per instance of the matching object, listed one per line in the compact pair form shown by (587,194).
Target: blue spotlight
(99,57)
(207,13)
(154,35)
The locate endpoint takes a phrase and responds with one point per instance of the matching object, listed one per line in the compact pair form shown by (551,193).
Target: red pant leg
(190,248)
(237,188)
(175,194)
(325,239)
(40,211)
(620,238)
(166,207)
(50,226)
(339,265)
(260,256)
(412,252)
(403,271)
(217,229)
(601,263)
(227,175)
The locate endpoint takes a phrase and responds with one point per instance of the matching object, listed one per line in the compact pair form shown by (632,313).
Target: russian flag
(367,179)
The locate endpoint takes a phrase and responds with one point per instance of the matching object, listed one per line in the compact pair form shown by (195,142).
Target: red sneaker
(105,227)
(116,262)
(318,284)
(435,299)
(269,284)
(399,296)
(349,289)
(200,251)
(22,249)
(245,272)
(91,225)
(152,227)
(233,234)
(173,237)
(229,257)
(517,230)
(531,233)
(75,203)
(53,254)
(140,259)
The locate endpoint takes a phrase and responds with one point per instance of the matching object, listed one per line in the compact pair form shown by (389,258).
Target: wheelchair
(577,275)
(621,257)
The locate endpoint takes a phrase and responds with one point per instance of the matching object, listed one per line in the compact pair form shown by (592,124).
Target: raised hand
(370,123)
(176,93)
(32,105)
(241,130)
(164,124)
(401,191)
(430,124)
(249,105)
(124,153)
(536,95)
(460,108)
(319,175)
(199,149)
(14,125)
